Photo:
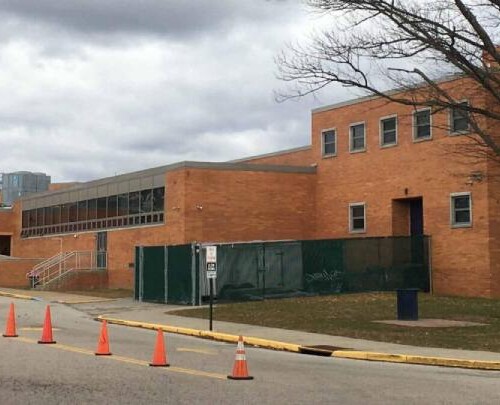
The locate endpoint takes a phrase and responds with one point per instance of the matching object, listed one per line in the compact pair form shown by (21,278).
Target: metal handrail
(64,263)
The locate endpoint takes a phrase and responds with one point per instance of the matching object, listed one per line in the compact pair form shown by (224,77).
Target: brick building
(373,169)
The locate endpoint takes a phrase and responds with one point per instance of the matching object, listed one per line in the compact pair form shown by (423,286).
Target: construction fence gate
(259,270)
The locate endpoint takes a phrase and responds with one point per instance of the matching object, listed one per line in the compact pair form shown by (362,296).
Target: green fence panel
(153,274)
(179,275)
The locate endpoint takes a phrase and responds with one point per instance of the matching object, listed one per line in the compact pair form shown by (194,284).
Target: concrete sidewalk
(126,311)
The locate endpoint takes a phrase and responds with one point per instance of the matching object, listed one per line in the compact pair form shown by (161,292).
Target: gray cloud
(89,89)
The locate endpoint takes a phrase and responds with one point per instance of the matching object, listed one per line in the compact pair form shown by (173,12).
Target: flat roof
(362,99)
(271,154)
(161,170)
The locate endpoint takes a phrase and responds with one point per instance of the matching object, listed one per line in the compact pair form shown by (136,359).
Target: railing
(63,263)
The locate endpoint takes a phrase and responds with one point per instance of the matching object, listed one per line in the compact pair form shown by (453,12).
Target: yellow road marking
(201,351)
(129,360)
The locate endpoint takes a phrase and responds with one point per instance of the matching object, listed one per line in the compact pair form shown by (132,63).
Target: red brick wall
(302,157)
(13,272)
(81,280)
(460,257)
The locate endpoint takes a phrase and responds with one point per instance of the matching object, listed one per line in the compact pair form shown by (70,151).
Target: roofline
(271,154)
(176,166)
(392,92)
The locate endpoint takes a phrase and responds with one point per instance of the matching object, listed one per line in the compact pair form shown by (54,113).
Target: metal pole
(211,303)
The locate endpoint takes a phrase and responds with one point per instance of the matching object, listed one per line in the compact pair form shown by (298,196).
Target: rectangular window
(158,199)
(422,124)
(329,142)
(357,217)
(461,210)
(388,131)
(357,137)
(459,119)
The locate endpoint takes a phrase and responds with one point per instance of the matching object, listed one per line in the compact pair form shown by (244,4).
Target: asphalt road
(69,372)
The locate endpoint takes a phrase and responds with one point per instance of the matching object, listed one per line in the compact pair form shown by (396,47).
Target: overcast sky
(93,88)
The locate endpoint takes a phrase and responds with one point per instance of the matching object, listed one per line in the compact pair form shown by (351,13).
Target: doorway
(416,216)
(5,245)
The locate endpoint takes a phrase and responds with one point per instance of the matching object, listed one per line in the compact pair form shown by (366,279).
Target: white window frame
(351,228)
(364,137)
(452,210)
(450,121)
(381,132)
(323,154)
(414,125)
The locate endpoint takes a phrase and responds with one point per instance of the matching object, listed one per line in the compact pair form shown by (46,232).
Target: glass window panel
(92,209)
(73,212)
(82,211)
(101,208)
(26,219)
(112,206)
(134,202)
(423,124)
(159,199)
(357,137)
(358,211)
(122,205)
(39,217)
(64,213)
(32,215)
(146,201)
(48,216)
(389,131)
(462,217)
(461,202)
(358,224)
(56,214)
(329,147)
(460,119)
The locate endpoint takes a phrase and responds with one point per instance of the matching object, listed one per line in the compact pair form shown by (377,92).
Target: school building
(373,169)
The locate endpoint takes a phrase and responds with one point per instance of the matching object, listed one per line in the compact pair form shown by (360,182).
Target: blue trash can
(407,304)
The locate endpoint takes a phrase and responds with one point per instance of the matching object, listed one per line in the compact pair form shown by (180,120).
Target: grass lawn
(352,315)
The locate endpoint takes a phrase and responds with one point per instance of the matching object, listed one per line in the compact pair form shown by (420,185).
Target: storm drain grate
(320,350)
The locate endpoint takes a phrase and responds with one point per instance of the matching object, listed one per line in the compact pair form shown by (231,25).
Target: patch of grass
(104,293)
(352,315)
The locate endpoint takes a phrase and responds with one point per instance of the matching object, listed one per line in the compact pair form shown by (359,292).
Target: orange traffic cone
(240,370)
(47,329)
(10,328)
(103,343)
(159,355)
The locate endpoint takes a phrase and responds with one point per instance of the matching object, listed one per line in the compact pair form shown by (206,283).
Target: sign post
(211,275)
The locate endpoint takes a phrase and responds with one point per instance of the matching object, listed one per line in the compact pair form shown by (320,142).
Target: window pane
(358,137)
(329,149)
(112,206)
(389,131)
(329,136)
(461,202)
(56,214)
(73,212)
(82,211)
(462,217)
(133,203)
(358,224)
(64,213)
(146,201)
(460,119)
(158,199)
(101,208)
(422,124)
(26,219)
(329,142)
(357,211)
(122,205)
(48,216)
(92,210)
(389,124)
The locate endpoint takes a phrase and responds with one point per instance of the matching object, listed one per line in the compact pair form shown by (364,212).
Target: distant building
(19,184)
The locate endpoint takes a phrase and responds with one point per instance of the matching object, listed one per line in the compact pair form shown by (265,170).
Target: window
(459,119)
(357,217)
(357,137)
(422,124)
(329,142)
(388,131)
(461,212)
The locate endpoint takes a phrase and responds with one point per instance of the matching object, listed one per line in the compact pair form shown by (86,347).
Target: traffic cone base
(47,329)
(10,328)
(103,343)
(240,370)
(159,354)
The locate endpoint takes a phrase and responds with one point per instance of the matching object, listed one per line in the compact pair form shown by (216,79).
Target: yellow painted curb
(223,337)
(422,360)
(18,296)
(290,347)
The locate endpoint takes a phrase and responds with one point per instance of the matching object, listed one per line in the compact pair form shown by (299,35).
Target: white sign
(211,269)
(211,254)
